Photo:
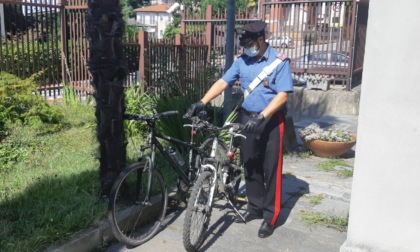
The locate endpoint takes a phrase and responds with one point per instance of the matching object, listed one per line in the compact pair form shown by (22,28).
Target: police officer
(263,117)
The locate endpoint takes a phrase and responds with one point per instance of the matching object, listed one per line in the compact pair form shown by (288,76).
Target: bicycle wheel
(206,146)
(136,213)
(197,215)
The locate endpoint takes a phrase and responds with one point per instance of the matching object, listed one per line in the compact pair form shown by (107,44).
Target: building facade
(154,19)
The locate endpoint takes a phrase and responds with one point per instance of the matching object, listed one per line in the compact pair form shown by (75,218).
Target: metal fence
(50,36)
(324,39)
(30,39)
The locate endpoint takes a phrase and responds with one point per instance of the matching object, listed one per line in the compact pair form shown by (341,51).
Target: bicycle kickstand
(236,210)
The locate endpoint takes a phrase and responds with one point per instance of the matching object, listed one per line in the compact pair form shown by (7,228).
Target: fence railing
(52,38)
(318,36)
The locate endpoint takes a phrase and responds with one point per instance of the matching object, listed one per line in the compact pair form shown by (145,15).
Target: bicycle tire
(207,145)
(135,220)
(197,217)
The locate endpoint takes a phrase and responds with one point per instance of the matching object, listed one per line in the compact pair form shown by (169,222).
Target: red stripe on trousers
(277,199)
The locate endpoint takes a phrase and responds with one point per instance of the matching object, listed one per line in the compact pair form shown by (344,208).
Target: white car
(282,41)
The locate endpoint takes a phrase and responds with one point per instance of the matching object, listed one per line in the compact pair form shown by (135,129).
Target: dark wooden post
(108,66)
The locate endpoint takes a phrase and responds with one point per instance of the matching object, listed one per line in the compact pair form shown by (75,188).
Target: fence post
(64,55)
(143,66)
(261,13)
(178,39)
(183,24)
(208,30)
(181,61)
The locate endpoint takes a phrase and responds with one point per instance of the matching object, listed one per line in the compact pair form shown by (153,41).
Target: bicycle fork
(212,190)
(213,186)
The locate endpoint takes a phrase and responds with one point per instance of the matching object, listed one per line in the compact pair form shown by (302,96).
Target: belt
(255,114)
(250,114)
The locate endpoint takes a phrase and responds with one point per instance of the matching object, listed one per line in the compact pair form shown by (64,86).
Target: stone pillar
(385,201)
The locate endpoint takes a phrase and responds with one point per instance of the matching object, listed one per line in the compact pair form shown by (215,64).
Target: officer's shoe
(265,230)
(247,216)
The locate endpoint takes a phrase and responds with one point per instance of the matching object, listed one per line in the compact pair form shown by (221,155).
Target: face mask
(251,51)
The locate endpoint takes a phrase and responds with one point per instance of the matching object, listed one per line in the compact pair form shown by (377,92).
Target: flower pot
(329,149)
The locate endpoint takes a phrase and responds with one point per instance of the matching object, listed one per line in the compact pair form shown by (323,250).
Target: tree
(174,27)
(105,28)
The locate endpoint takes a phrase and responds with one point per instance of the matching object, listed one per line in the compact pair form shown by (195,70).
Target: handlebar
(199,123)
(155,117)
(234,129)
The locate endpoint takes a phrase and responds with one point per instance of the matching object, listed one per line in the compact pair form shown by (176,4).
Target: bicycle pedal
(241,199)
(173,202)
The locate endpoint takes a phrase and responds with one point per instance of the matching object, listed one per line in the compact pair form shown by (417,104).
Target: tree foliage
(18,104)
(174,27)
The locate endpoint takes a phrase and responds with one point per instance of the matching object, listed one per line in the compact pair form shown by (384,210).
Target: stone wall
(307,103)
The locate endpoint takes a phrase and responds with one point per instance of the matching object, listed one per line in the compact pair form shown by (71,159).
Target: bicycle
(139,199)
(218,177)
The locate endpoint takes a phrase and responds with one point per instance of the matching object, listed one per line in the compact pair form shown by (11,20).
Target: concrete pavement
(303,182)
(307,192)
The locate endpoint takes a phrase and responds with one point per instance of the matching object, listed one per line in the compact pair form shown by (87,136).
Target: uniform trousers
(262,154)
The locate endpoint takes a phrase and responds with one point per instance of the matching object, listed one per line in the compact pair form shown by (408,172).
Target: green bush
(19,105)
(137,102)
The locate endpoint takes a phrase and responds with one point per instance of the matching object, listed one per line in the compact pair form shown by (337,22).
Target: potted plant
(332,142)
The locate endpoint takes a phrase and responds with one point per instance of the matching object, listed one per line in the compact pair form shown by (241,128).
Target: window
(161,17)
(141,18)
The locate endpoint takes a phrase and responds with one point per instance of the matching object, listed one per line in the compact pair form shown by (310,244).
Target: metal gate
(30,40)
(324,39)
(76,47)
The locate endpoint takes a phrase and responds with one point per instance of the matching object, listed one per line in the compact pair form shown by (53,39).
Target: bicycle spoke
(137,211)
(197,215)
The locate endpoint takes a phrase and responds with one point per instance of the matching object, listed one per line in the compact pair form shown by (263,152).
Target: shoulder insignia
(282,56)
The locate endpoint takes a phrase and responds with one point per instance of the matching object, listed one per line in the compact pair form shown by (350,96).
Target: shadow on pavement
(217,229)
(293,189)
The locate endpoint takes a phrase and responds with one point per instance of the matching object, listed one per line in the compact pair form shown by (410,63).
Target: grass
(315,199)
(53,193)
(335,222)
(336,164)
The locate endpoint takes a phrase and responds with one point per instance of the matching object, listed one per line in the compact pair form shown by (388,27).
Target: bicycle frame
(153,143)
(215,167)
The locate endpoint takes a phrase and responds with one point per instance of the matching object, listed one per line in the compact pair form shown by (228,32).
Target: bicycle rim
(136,213)
(197,215)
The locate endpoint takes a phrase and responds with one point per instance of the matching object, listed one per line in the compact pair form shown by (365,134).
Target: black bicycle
(219,177)
(139,198)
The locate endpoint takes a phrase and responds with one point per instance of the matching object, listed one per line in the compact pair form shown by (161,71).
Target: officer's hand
(194,109)
(253,123)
